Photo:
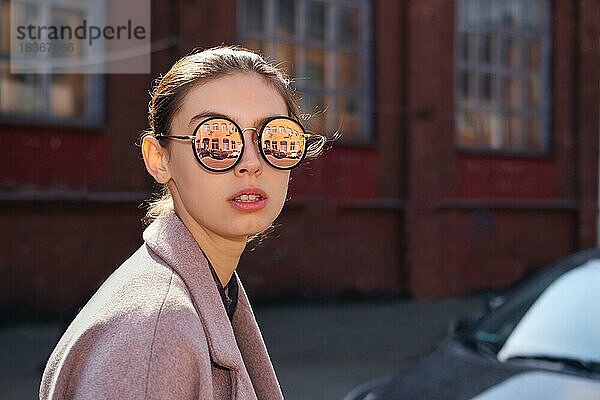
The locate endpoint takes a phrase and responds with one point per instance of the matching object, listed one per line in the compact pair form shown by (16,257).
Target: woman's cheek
(282,192)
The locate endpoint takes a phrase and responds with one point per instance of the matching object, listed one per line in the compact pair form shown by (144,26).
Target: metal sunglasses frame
(194,137)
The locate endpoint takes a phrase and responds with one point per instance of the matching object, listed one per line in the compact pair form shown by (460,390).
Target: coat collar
(168,237)
(254,351)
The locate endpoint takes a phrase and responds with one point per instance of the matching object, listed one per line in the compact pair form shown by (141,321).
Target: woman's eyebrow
(203,115)
(207,114)
(261,122)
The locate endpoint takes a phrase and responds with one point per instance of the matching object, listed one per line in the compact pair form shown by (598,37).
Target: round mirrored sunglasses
(218,142)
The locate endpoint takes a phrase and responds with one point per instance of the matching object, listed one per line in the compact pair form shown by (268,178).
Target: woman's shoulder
(141,310)
(138,289)
(132,299)
(129,304)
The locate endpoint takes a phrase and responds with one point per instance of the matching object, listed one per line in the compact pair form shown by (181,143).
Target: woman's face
(212,199)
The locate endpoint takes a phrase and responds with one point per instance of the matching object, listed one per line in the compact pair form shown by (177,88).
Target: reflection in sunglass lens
(283,143)
(218,144)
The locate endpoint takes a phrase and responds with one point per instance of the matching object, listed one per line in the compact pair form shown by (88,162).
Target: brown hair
(196,68)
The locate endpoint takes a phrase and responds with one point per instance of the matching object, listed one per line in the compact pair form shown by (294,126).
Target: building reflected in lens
(218,139)
(283,142)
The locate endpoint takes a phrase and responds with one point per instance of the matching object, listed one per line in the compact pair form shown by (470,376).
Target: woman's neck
(223,253)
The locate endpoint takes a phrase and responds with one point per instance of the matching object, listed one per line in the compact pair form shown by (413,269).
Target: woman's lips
(249,199)
(248,205)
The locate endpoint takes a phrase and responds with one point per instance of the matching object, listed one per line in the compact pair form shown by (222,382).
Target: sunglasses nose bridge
(249,158)
(255,130)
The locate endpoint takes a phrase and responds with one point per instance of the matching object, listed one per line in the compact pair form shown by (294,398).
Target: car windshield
(553,317)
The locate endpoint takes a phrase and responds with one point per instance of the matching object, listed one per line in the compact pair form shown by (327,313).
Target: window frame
(499,71)
(301,42)
(95,85)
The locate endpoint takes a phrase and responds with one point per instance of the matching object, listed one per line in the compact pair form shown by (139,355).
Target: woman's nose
(251,161)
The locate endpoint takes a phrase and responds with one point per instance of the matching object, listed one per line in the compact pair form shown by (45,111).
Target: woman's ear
(156,159)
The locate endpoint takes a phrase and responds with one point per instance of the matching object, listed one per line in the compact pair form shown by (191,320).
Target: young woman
(174,322)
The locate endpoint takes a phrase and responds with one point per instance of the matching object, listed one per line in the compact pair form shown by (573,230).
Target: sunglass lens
(218,144)
(283,143)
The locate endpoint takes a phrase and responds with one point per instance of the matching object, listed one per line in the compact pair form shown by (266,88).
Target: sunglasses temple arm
(322,138)
(178,137)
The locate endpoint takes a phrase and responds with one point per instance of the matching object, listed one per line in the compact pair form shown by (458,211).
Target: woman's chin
(250,233)
(247,230)
(261,229)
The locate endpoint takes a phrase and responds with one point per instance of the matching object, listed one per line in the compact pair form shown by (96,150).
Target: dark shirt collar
(229,294)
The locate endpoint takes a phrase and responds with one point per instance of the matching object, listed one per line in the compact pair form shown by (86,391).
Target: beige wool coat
(157,329)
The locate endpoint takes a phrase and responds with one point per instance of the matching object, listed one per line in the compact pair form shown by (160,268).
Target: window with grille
(46,97)
(502,75)
(324,46)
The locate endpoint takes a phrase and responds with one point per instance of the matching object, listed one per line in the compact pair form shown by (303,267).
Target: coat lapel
(253,349)
(169,238)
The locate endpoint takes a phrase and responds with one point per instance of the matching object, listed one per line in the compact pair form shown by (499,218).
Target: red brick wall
(342,231)
(44,157)
(493,248)
(587,124)
(56,254)
(493,177)
(320,249)
(476,221)
(404,213)
(430,140)
(390,105)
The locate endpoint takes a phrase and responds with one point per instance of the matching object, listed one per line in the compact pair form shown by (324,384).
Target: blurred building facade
(469,154)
